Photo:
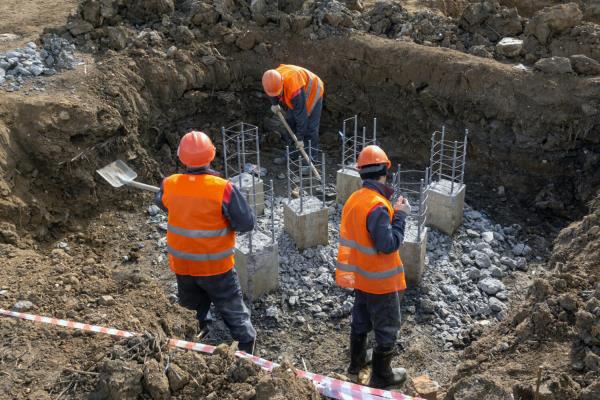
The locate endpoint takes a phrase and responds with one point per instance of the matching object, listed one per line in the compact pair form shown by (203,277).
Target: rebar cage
(354,141)
(448,159)
(301,180)
(413,185)
(241,149)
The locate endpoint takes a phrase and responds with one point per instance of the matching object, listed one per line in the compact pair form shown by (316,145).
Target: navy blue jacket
(235,208)
(299,113)
(386,237)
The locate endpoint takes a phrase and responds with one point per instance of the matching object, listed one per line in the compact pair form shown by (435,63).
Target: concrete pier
(258,269)
(306,223)
(246,188)
(445,204)
(347,182)
(412,252)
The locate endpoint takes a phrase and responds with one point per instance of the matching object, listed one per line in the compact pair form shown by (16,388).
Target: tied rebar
(447,161)
(413,185)
(241,143)
(302,182)
(353,143)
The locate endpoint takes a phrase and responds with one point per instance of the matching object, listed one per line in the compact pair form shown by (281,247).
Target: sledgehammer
(299,144)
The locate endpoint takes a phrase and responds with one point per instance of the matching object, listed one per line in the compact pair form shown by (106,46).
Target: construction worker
(369,262)
(301,91)
(204,212)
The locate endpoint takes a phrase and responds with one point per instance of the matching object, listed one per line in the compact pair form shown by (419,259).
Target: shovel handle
(301,149)
(143,186)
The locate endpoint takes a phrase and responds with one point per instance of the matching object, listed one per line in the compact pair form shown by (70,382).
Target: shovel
(299,145)
(118,173)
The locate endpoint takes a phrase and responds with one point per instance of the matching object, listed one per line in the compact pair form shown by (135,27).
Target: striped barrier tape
(329,387)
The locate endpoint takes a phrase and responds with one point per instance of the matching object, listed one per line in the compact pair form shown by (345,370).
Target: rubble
(509,47)
(584,65)
(554,65)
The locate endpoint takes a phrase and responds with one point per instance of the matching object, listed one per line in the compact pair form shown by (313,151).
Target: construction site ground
(77,249)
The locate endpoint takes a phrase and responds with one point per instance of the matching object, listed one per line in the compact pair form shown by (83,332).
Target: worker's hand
(402,205)
(276,109)
(300,145)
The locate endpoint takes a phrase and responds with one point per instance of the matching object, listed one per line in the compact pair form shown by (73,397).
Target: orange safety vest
(296,78)
(359,264)
(199,241)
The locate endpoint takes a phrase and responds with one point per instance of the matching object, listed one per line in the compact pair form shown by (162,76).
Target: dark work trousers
(380,312)
(312,132)
(198,292)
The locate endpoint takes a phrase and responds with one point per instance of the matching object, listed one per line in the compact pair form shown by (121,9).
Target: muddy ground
(68,239)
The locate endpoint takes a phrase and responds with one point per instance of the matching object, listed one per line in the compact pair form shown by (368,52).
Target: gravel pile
(21,64)
(462,284)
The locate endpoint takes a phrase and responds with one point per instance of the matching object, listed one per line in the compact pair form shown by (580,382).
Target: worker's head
(196,150)
(373,163)
(272,83)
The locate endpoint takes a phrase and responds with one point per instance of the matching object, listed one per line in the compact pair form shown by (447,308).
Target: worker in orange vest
(204,212)
(301,91)
(369,262)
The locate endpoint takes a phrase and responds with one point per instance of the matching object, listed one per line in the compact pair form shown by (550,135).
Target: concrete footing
(306,224)
(246,189)
(258,270)
(412,252)
(445,207)
(347,182)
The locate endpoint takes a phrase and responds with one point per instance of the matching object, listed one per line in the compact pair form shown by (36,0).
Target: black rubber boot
(247,347)
(382,374)
(360,357)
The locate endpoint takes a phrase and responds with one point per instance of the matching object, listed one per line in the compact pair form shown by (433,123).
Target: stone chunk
(496,305)
(178,377)
(585,65)
(509,47)
(481,260)
(155,382)
(491,286)
(521,249)
(106,301)
(553,20)
(554,65)
(22,306)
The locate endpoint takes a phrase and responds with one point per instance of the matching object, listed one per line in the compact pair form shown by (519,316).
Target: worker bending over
(301,92)
(369,262)
(204,213)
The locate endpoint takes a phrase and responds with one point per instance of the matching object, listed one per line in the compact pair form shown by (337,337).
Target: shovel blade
(117,173)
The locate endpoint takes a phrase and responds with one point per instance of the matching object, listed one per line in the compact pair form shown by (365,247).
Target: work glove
(402,205)
(276,109)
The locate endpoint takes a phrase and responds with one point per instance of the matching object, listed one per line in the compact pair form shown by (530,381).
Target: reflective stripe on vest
(368,274)
(296,78)
(359,265)
(199,241)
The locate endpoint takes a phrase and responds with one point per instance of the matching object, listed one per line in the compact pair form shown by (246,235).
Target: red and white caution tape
(330,387)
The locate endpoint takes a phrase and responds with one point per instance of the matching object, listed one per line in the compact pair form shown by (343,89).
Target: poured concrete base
(307,225)
(258,270)
(412,252)
(246,189)
(445,208)
(347,182)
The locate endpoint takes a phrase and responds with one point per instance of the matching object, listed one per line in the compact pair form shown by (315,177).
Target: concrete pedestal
(347,182)
(412,252)
(246,189)
(307,225)
(445,208)
(258,270)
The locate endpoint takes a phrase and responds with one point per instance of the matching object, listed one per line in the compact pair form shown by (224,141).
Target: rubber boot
(360,357)
(382,374)
(203,330)
(247,347)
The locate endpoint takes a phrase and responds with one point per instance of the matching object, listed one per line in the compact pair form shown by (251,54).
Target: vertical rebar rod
(344,146)
(364,137)
(355,136)
(254,193)
(224,152)
(441,153)
(300,187)
(249,233)
(419,220)
(453,167)
(375,131)
(289,177)
(272,211)
(243,133)
(239,157)
(323,176)
(432,150)
(257,150)
(464,157)
(310,172)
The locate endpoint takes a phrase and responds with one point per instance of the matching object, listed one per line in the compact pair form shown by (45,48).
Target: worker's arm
(158,199)
(236,210)
(300,114)
(386,237)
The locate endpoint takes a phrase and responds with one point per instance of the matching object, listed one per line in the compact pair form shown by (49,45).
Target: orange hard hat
(272,82)
(196,149)
(372,155)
